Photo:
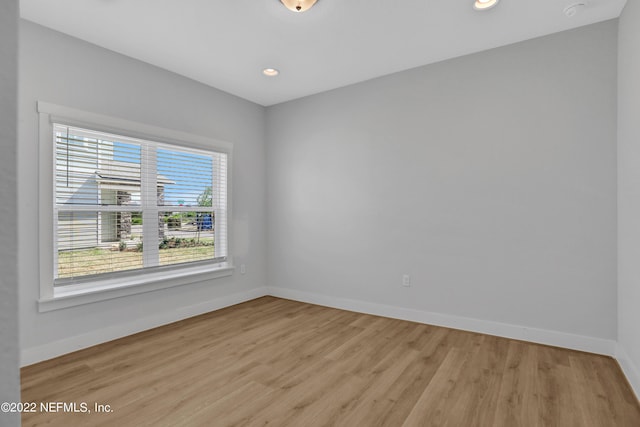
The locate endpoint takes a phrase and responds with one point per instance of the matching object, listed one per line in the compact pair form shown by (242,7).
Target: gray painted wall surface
(490,179)
(62,70)
(629,185)
(9,347)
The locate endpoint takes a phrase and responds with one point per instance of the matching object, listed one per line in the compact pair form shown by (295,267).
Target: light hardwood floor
(283,363)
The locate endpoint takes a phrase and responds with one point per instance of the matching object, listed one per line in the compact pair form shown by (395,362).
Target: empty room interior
(320,212)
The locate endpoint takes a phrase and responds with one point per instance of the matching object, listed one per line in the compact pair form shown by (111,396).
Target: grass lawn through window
(97,260)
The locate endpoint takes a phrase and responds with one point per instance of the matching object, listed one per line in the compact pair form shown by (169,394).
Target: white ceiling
(226,43)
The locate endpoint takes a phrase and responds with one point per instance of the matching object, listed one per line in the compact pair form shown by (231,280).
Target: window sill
(80,294)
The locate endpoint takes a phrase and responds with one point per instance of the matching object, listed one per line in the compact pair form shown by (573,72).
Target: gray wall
(66,71)
(9,368)
(490,178)
(629,191)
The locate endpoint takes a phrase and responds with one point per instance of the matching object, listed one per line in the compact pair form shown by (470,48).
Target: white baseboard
(540,336)
(50,350)
(560,339)
(630,369)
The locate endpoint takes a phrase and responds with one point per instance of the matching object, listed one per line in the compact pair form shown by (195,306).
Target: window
(132,204)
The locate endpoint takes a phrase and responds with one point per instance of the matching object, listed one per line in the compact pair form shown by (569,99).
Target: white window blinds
(129,204)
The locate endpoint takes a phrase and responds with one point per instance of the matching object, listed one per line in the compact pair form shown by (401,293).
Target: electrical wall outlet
(406,280)
(243,269)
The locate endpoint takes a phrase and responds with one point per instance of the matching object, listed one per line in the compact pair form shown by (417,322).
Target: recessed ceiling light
(270,72)
(484,4)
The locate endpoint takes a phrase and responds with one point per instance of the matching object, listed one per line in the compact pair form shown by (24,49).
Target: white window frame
(121,284)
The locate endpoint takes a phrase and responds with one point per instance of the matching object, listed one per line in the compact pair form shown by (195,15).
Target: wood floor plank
(517,402)
(277,362)
(438,402)
(390,405)
(552,385)
(480,384)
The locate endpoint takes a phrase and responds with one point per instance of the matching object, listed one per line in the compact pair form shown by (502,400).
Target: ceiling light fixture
(298,5)
(270,72)
(484,4)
